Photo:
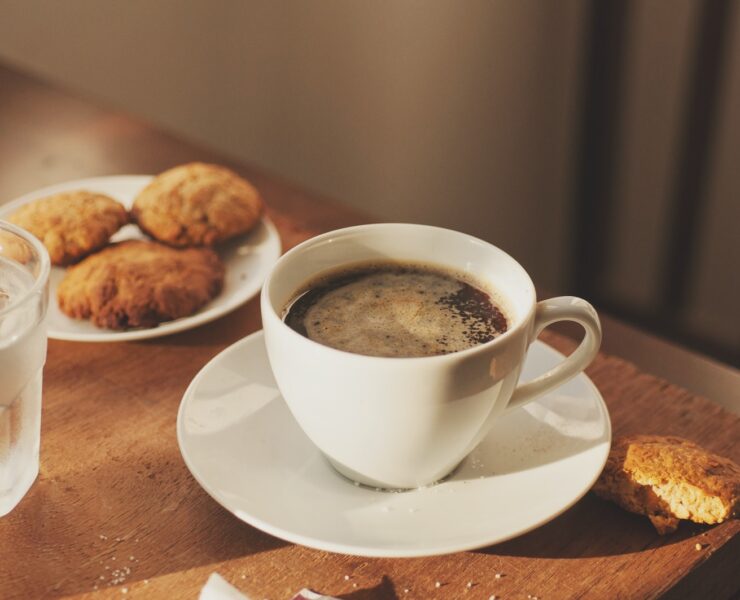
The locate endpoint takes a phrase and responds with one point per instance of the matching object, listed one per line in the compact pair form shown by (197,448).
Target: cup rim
(44,262)
(497,341)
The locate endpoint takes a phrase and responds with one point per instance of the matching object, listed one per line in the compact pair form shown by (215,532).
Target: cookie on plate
(71,224)
(197,204)
(668,479)
(138,283)
(13,248)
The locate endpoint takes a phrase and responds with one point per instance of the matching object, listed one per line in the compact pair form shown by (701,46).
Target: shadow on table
(592,528)
(223,331)
(383,591)
(158,521)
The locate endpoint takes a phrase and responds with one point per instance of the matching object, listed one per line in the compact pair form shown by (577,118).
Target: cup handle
(563,308)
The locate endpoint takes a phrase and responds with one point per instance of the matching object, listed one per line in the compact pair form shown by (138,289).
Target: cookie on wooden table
(668,479)
(140,284)
(72,224)
(197,204)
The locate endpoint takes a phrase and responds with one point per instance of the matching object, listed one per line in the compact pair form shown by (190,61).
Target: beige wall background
(415,111)
(462,114)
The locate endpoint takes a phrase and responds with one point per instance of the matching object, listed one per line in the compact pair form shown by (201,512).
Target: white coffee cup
(408,422)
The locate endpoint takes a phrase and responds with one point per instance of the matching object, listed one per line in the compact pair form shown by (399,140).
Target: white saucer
(247,259)
(243,446)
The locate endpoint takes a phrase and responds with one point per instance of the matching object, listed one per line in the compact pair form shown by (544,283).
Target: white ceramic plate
(247,258)
(243,446)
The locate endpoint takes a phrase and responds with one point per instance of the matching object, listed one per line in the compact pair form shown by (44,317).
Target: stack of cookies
(187,211)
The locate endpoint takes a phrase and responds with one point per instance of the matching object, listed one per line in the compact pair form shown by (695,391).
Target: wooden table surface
(114,493)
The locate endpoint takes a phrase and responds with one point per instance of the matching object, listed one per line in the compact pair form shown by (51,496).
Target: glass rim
(41,278)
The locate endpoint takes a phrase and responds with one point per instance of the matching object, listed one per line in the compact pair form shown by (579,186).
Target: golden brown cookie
(71,224)
(670,478)
(13,248)
(197,205)
(140,284)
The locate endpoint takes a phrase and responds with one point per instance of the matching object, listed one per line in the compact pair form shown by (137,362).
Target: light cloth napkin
(217,588)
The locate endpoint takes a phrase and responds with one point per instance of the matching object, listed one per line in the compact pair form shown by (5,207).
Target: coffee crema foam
(395,310)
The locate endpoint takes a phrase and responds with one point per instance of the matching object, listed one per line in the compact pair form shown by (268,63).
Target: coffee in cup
(396,309)
(406,420)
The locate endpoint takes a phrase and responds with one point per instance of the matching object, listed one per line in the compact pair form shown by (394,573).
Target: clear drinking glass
(24,293)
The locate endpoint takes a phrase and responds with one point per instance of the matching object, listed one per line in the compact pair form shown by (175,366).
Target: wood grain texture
(115,508)
(113,487)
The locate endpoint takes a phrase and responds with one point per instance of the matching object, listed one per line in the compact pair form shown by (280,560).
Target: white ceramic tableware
(408,422)
(243,446)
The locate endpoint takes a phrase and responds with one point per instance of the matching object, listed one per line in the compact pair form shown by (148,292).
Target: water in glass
(22,355)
